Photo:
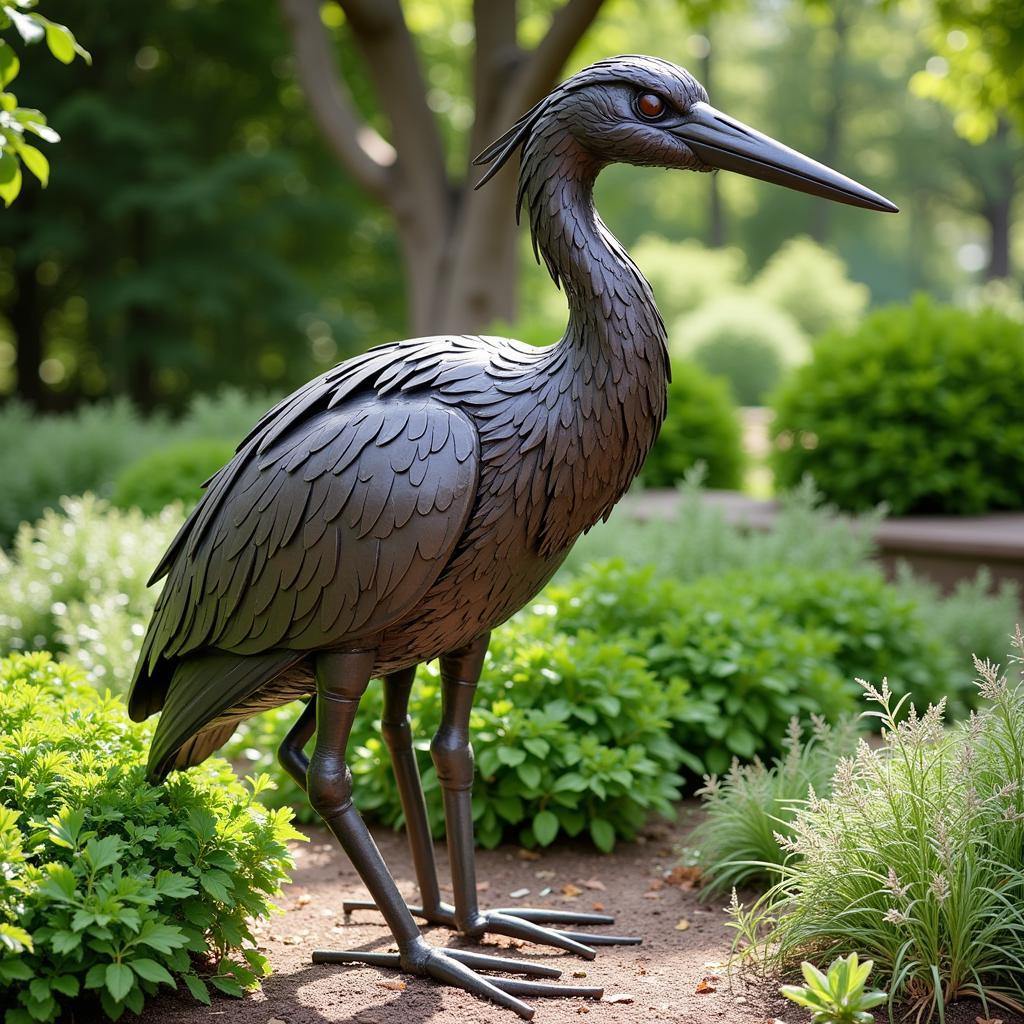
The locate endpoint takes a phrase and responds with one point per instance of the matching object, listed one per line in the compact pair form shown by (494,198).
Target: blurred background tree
(216,217)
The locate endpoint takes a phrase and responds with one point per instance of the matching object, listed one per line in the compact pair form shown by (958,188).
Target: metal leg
(290,754)
(398,736)
(453,759)
(342,679)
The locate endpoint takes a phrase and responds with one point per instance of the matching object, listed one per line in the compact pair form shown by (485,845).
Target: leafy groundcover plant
(571,734)
(917,858)
(112,887)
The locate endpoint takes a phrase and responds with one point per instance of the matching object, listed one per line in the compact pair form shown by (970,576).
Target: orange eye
(650,106)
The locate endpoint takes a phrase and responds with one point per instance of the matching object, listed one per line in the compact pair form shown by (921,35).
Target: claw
(459,967)
(601,939)
(541,915)
(517,928)
(484,962)
(540,988)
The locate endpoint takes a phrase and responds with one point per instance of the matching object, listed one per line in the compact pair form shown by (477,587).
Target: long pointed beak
(722,141)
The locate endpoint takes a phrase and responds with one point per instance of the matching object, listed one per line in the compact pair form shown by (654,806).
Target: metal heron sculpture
(401,505)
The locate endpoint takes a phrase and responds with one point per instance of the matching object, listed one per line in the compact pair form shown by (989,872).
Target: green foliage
(697,540)
(745,810)
(172,474)
(571,735)
(45,457)
(743,338)
(917,408)
(916,856)
(810,283)
(838,997)
(685,275)
(113,887)
(75,582)
(703,426)
(982,48)
(19,19)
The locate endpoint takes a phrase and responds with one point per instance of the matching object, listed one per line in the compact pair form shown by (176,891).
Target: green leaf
(10,184)
(603,834)
(198,988)
(545,827)
(66,984)
(538,747)
(61,42)
(216,884)
(161,937)
(9,64)
(228,986)
(530,775)
(35,162)
(119,981)
(150,970)
(511,756)
(173,886)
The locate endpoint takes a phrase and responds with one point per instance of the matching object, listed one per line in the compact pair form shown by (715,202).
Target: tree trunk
(716,212)
(997,207)
(25,323)
(459,246)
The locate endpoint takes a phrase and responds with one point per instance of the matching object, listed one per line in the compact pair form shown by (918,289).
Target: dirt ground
(677,974)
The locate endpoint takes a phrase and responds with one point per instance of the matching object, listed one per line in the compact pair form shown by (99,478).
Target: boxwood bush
(744,339)
(702,426)
(172,474)
(918,408)
(112,887)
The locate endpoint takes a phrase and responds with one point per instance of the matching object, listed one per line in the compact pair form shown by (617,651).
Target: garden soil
(677,975)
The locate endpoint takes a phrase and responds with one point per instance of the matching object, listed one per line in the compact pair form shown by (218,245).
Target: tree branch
(367,156)
(543,64)
(394,68)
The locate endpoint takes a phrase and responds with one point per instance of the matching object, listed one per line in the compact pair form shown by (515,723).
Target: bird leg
(453,759)
(290,754)
(342,678)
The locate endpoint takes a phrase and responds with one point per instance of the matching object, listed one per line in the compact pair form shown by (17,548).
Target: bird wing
(327,534)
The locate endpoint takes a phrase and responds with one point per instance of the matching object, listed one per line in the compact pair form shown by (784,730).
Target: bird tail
(208,696)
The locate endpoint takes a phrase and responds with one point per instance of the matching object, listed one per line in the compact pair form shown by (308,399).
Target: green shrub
(172,474)
(113,887)
(918,408)
(571,734)
(744,811)
(703,426)
(75,582)
(809,282)
(43,457)
(697,540)
(228,414)
(744,339)
(916,856)
(747,668)
(687,274)
(838,997)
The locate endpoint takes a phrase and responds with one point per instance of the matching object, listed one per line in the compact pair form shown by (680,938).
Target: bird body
(411,498)
(398,507)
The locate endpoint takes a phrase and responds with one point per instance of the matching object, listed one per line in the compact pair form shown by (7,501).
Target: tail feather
(204,691)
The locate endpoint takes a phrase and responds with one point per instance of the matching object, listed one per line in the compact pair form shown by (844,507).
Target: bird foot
(526,923)
(459,967)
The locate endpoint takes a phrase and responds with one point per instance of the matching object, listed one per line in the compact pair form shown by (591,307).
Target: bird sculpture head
(650,112)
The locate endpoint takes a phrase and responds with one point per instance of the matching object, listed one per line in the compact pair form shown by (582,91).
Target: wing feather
(330,532)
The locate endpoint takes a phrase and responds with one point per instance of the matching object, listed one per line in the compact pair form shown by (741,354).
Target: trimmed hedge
(918,408)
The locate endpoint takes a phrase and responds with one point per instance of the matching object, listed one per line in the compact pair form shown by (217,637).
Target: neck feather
(611,306)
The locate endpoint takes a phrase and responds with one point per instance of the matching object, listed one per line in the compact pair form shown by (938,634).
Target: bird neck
(612,313)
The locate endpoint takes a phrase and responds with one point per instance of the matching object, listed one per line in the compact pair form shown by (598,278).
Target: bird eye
(650,106)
